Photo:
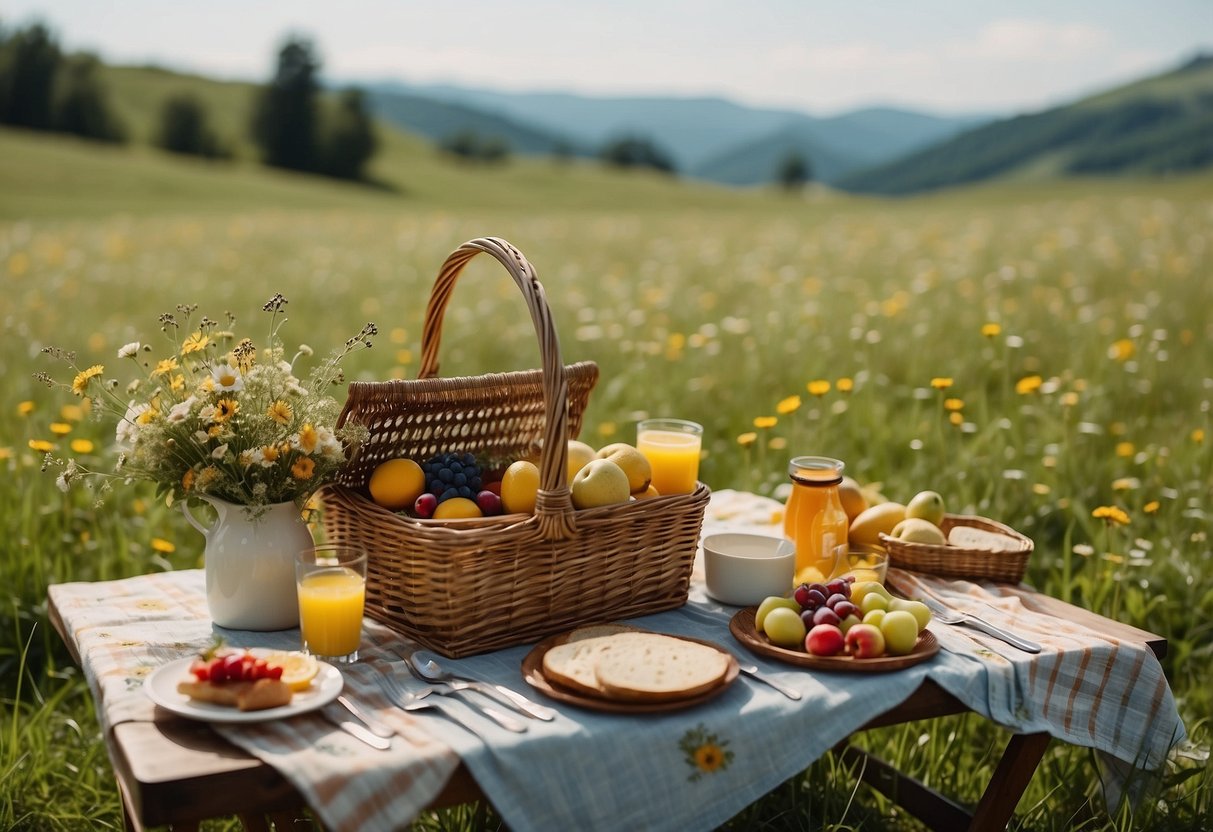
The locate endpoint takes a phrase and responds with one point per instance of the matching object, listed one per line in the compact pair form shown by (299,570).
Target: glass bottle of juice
(814,518)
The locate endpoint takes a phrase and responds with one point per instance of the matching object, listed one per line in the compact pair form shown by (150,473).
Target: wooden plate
(532,672)
(743,629)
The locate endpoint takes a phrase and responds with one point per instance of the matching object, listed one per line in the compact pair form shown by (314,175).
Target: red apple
(490,503)
(865,641)
(494,486)
(425,505)
(824,640)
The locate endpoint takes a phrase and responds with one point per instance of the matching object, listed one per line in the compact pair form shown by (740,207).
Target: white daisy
(227,378)
(129,350)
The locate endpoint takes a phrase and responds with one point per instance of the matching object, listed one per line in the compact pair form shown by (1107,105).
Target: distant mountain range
(1156,125)
(708,138)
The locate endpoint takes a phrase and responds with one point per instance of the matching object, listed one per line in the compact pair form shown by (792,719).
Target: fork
(406,700)
(460,689)
(948,616)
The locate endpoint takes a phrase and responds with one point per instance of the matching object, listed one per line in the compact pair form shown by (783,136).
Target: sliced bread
(572,664)
(647,667)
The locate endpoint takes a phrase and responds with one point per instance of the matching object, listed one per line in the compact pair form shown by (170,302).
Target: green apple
(926,505)
(785,628)
(920,611)
(770,603)
(900,632)
(917,530)
(874,617)
(861,589)
(873,601)
(600,483)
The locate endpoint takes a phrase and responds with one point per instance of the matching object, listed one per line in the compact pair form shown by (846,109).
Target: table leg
(1011,778)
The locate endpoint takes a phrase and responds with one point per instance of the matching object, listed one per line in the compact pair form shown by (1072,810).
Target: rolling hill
(1158,125)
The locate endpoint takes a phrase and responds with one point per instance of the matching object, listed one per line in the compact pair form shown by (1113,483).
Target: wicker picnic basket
(462,587)
(1007,566)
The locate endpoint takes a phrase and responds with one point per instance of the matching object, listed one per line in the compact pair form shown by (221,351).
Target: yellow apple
(580,455)
(600,483)
(633,462)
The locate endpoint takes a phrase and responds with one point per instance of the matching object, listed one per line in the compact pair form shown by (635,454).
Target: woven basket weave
(959,562)
(462,587)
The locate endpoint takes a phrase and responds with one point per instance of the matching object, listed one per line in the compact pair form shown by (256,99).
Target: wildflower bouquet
(218,416)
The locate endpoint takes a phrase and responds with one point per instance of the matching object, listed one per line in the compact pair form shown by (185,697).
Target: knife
(355,729)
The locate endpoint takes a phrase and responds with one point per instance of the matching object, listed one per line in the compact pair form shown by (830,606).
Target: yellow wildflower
(845,385)
(308,439)
(1111,514)
(80,383)
(747,439)
(941,382)
(777,443)
(1198,436)
(765,421)
(165,365)
(1125,449)
(1041,489)
(1122,350)
(991,330)
(159,544)
(25,408)
(953,404)
(819,387)
(1069,399)
(60,428)
(42,446)
(225,409)
(1028,384)
(1151,507)
(71,413)
(82,446)
(280,412)
(177,383)
(956,418)
(303,468)
(789,405)
(187,481)
(194,343)
(607,429)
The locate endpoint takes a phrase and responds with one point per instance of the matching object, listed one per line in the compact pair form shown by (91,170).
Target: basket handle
(554,504)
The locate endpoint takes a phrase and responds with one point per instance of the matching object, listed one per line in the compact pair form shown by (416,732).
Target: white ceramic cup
(743,569)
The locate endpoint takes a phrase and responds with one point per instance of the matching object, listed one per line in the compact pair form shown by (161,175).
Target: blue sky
(820,57)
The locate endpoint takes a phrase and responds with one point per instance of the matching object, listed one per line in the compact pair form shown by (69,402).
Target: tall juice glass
(331,580)
(814,518)
(672,448)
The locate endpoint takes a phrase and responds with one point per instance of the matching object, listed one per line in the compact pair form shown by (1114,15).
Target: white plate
(161,687)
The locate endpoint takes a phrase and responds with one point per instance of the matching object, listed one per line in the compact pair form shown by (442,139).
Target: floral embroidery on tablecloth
(704,752)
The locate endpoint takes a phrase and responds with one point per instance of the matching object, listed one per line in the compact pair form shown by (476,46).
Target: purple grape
(816,599)
(836,599)
(802,595)
(825,615)
(839,587)
(845,608)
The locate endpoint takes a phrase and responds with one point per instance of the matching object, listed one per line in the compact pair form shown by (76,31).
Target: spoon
(753,672)
(431,671)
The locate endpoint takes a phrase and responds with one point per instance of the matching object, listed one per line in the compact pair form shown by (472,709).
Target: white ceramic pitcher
(250,564)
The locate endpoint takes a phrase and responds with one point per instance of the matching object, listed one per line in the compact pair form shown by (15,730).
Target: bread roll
(247,696)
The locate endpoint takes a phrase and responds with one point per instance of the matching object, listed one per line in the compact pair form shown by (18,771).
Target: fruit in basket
(865,641)
(873,601)
(825,640)
(600,483)
(648,494)
(580,455)
(854,503)
(866,528)
(457,508)
(917,530)
(490,503)
(425,505)
(784,628)
(633,462)
(452,474)
(926,505)
(396,483)
(770,603)
(519,487)
(900,632)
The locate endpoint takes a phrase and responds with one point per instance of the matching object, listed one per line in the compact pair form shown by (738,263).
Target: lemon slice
(298,669)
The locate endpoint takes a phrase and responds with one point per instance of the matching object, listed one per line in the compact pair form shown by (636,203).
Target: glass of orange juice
(672,448)
(331,579)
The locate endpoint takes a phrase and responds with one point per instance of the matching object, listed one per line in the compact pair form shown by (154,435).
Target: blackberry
(452,475)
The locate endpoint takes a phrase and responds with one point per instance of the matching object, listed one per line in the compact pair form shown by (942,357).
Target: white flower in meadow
(207,413)
(329,445)
(201,437)
(219,452)
(248,457)
(127,430)
(181,410)
(227,378)
(129,350)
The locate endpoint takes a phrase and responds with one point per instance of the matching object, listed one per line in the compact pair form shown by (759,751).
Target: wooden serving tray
(743,629)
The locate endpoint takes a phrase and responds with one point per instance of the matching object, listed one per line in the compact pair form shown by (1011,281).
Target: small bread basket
(1007,564)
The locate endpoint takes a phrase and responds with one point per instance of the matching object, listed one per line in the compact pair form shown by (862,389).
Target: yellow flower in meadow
(607,429)
(25,408)
(1111,514)
(303,468)
(1122,350)
(82,446)
(818,387)
(956,418)
(280,412)
(747,439)
(165,547)
(789,405)
(6,452)
(941,383)
(42,446)
(308,439)
(765,421)
(1041,489)
(953,404)
(845,385)
(194,343)
(777,443)
(164,366)
(991,330)
(80,383)
(1198,436)
(269,454)
(71,413)
(1125,449)
(177,383)
(1069,399)
(225,409)
(1028,384)
(1151,507)
(60,428)
(187,481)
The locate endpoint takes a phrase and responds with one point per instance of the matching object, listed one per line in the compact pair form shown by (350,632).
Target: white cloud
(862,56)
(1020,39)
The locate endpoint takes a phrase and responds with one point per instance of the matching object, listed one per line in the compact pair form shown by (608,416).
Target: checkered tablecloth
(680,770)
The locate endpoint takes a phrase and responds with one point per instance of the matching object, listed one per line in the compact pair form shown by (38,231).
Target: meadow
(1032,352)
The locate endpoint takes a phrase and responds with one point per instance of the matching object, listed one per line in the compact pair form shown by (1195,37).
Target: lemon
(457,508)
(854,503)
(866,528)
(298,669)
(519,487)
(396,484)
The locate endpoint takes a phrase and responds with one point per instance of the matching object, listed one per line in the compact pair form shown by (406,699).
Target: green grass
(694,301)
